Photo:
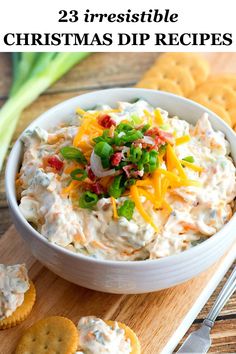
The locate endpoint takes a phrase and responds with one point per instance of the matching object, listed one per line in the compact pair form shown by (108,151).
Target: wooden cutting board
(160,319)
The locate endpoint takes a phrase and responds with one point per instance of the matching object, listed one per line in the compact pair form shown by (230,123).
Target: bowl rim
(13,205)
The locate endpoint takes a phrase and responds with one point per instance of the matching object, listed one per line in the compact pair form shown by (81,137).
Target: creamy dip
(95,336)
(14,283)
(181,196)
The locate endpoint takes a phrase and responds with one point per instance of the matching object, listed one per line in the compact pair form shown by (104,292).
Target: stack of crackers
(188,75)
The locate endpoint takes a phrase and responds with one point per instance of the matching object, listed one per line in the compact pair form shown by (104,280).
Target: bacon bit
(141,143)
(128,169)
(137,173)
(161,137)
(97,188)
(106,121)
(116,158)
(55,163)
(169,138)
(152,132)
(90,173)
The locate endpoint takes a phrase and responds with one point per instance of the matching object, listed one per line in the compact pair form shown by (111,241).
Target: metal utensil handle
(224,295)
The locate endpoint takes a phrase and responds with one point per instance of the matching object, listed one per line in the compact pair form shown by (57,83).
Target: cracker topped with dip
(130,183)
(98,336)
(17,295)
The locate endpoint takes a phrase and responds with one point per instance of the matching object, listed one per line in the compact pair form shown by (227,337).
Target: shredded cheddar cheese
(135,196)
(89,127)
(190,182)
(170,175)
(174,162)
(148,195)
(149,116)
(144,182)
(192,166)
(158,117)
(182,140)
(164,187)
(70,187)
(157,186)
(167,206)
(113,202)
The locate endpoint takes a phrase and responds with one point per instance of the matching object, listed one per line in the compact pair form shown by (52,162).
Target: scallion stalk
(26,89)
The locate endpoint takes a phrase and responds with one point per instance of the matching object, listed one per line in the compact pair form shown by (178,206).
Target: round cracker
(194,63)
(162,85)
(129,334)
(231,109)
(22,311)
(224,79)
(50,335)
(180,76)
(222,95)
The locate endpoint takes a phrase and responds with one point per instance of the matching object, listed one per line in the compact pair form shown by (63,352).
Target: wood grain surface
(155,317)
(104,70)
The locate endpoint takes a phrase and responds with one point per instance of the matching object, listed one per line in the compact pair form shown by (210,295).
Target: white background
(42,16)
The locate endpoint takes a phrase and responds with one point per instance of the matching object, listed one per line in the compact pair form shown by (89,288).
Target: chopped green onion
(165,126)
(78,174)
(88,200)
(142,163)
(135,118)
(189,159)
(145,157)
(127,209)
(162,149)
(153,161)
(129,182)
(124,127)
(104,151)
(135,154)
(117,187)
(72,153)
(145,128)
(132,135)
(128,137)
(104,137)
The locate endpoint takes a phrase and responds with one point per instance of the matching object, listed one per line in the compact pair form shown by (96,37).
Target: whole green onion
(27,87)
(127,209)
(78,174)
(88,200)
(129,182)
(117,187)
(72,153)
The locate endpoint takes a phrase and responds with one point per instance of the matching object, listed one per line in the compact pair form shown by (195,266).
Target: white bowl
(121,276)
